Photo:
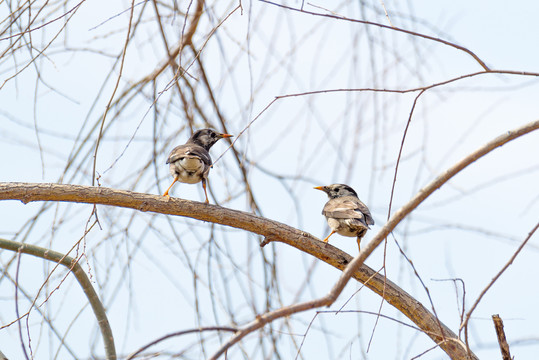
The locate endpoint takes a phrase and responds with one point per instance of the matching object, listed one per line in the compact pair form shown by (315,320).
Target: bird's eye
(212,134)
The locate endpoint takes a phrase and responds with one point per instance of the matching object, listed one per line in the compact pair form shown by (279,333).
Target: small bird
(345,213)
(190,163)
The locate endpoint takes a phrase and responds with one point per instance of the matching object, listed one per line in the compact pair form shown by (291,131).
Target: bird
(345,213)
(191,162)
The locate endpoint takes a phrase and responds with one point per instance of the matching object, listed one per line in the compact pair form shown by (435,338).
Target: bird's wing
(189,150)
(348,208)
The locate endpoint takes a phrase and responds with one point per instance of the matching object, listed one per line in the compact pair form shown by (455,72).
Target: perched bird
(345,213)
(190,163)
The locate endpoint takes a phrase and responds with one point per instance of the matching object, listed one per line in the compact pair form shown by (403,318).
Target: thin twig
(120,71)
(180,333)
(337,17)
(17,313)
(410,90)
(385,11)
(494,279)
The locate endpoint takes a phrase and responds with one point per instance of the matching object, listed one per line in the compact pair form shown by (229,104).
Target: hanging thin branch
(80,275)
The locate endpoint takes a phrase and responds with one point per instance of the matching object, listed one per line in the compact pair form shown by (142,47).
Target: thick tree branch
(81,277)
(271,230)
(443,337)
(275,231)
(447,341)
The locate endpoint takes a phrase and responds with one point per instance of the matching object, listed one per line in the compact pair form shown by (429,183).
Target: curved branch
(186,39)
(437,331)
(339,17)
(275,231)
(271,230)
(464,323)
(179,333)
(427,191)
(81,277)
(408,90)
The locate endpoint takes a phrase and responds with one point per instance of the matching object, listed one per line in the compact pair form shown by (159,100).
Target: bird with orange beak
(190,163)
(345,213)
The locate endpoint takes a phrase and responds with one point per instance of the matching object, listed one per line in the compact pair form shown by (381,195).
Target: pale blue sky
(466,230)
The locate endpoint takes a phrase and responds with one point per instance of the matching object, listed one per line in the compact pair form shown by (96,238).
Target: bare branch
(474,306)
(80,275)
(273,230)
(179,333)
(122,61)
(425,192)
(338,17)
(409,90)
(504,346)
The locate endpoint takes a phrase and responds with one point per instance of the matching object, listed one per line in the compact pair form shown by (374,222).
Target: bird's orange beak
(226,135)
(319,188)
